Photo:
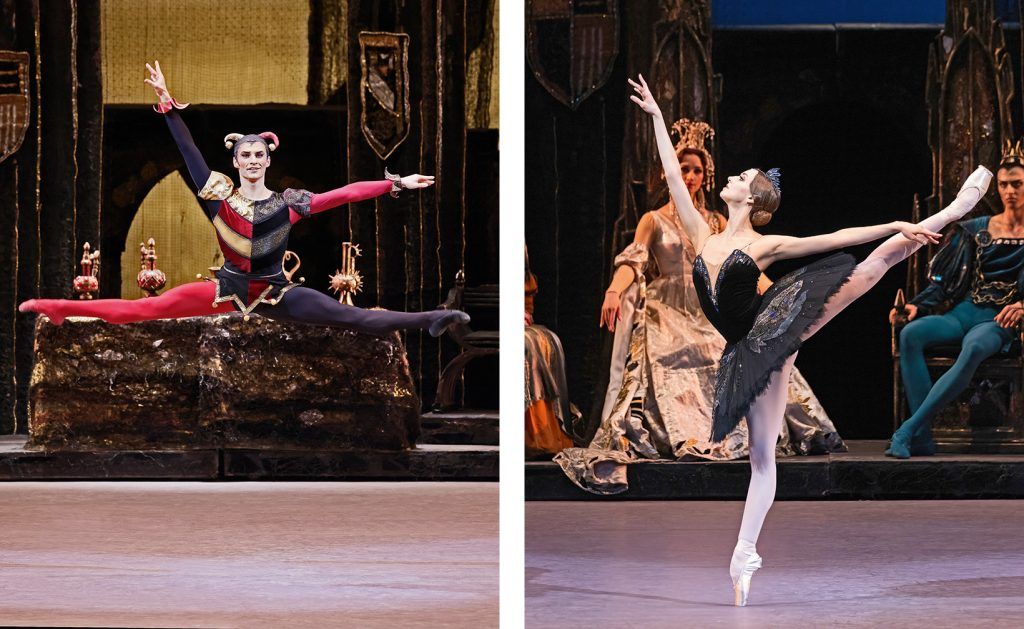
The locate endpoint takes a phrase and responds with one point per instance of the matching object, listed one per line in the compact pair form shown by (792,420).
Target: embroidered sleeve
(218,187)
(299,200)
(636,255)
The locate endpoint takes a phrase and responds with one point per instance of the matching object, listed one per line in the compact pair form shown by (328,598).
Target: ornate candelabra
(150,278)
(347,281)
(88,282)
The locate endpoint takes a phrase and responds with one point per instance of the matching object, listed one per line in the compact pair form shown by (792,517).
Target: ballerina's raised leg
(765,415)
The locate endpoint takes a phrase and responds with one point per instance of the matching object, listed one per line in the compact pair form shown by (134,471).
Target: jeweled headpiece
(695,135)
(774,175)
(1013,155)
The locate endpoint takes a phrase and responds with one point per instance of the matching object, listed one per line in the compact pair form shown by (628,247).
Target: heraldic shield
(571,45)
(13,101)
(384,90)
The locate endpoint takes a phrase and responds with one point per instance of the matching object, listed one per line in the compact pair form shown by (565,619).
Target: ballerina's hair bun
(767,193)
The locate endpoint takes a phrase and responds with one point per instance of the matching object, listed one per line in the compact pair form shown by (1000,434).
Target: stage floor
(927,564)
(177,554)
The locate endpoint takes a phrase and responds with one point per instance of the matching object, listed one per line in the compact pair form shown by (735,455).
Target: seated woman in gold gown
(549,414)
(664,357)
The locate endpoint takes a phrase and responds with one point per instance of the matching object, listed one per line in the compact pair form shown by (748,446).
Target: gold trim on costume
(245,208)
(242,307)
(238,243)
(218,187)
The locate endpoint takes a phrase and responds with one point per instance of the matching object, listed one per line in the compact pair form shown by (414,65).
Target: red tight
(297,305)
(188,300)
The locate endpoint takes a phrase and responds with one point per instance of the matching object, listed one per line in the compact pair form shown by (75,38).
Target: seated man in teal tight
(980,272)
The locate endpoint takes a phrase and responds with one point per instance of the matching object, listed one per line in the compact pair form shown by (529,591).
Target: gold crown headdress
(1013,155)
(695,135)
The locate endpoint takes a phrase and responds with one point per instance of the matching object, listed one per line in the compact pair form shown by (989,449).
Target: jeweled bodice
(729,299)
(997,266)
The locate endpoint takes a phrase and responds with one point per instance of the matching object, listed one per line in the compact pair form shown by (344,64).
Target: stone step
(425,463)
(479,427)
(863,473)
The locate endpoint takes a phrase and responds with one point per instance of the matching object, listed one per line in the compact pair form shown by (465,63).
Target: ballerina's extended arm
(694,224)
(772,248)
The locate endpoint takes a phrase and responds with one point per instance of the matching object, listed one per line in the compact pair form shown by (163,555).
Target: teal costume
(980,276)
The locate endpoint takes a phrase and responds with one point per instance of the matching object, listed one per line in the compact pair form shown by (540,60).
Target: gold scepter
(347,281)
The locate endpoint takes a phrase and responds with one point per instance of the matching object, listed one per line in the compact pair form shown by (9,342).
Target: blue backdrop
(726,13)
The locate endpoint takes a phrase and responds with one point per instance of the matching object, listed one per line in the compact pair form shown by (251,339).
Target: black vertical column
(57,191)
(8,247)
(89,111)
(18,262)
(413,245)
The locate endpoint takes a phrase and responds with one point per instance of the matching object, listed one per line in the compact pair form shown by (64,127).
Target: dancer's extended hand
(611,310)
(412,182)
(1010,315)
(527,319)
(909,309)
(156,80)
(915,232)
(643,96)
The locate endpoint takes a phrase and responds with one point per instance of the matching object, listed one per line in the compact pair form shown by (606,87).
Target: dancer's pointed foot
(745,562)
(446,320)
(39,306)
(976,185)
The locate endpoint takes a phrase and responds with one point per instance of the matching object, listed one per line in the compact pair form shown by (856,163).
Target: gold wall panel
(231,52)
(186,243)
(482,80)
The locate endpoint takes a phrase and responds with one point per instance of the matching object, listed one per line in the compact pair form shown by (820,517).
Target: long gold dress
(661,387)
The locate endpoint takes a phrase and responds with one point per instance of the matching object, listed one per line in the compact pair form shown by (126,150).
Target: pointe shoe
(978,180)
(741,576)
(448,319)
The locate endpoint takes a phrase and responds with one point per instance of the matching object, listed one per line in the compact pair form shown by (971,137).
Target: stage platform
(428,462)
(463,427)
(863,473)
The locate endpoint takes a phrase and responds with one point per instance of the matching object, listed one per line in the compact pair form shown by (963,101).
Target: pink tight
(764,420)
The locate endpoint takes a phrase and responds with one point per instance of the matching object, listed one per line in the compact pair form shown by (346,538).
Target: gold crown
(1013,154)
(694,134)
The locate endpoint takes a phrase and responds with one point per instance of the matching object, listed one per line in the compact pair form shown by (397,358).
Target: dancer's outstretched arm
(694,225)
(769,249)
(304,203)
(197,167)
(362,190)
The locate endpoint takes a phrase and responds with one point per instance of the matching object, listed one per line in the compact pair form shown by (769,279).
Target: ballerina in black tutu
(764,332)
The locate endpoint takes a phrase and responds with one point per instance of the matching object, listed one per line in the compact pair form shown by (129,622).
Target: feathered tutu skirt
(791,306)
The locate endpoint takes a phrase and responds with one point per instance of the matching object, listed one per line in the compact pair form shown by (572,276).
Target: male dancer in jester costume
(252,224)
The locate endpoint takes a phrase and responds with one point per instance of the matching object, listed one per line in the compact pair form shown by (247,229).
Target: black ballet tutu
(787,310)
